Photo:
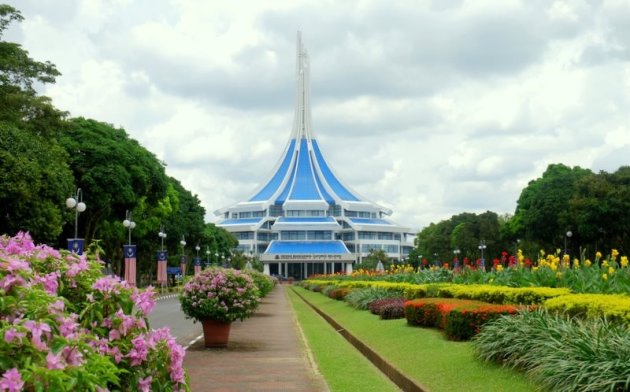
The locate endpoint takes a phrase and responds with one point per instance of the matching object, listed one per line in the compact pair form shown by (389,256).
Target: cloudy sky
(431,108)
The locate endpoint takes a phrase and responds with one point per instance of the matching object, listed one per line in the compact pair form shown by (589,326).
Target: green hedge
(614,307)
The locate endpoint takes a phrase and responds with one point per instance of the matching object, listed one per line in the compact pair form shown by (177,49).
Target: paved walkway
(265,353)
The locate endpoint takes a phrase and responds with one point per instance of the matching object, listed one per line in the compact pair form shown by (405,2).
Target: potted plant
(216,297)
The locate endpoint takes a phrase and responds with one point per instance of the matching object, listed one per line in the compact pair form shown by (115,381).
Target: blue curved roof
(330,178)
(304,187)
(276,180)
(306,247)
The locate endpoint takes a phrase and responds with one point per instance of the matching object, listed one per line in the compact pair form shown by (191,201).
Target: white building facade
(303,220)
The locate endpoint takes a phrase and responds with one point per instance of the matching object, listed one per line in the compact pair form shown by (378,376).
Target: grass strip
(343,367)
(422,353)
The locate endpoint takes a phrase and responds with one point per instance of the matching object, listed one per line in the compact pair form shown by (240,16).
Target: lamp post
(162,235)
(207,256)
(248,266)
(182,259)
(162,257)
(130,251)
(456,252)
(75,244)
(568,235)
(436,262)
(482,247)
(216,255)
(197,261)
(129,223)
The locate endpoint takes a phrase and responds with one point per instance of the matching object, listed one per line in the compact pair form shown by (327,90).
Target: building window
(350,214)
(292,235)
(385,236)
(244,215)
(348,236)
(258,214)
(368,235)
(334,210)
(318,235)
(305,213)
(275,210)
(244,235)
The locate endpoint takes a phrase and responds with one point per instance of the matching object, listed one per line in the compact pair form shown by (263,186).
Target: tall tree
(542,210)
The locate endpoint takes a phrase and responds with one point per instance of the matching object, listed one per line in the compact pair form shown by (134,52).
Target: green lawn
(421,353)
(343,367)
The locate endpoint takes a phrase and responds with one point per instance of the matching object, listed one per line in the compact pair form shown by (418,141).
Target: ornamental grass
(558,352)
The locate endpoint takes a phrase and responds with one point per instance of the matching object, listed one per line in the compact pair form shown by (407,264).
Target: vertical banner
(182,265)
(130,264)
(75,245)
(197,265)
(162,256)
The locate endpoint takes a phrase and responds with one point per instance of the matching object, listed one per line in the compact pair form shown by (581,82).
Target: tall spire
(302,127)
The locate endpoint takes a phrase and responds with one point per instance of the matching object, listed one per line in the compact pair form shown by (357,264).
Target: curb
(164,297)
(397,377)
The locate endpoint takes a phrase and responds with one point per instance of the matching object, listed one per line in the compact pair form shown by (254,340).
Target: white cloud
(430,108)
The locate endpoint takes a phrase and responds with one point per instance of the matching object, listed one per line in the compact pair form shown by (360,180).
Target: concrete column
(349,268)
(304,270)
(266,269)
(325,263)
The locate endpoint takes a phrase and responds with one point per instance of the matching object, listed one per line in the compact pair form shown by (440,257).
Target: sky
(430,108)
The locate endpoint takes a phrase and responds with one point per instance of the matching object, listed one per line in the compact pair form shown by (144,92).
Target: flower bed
(612,306)
(65,326)
(460,319)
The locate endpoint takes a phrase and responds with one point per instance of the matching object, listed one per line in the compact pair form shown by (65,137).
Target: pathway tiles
(265,353)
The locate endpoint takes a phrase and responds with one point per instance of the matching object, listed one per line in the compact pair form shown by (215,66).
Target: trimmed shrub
(327,289)
(612,306)
(460,319)
(463,324)
(388,308)
(338,293)
(558,352)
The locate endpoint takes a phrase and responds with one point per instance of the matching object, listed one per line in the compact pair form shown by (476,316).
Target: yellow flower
(614,253)
(576,263)
(558,275)
(534,269)
(598,255)
(587,263)
(605,276)
(499,268)
(611,270)
(553,266)
(624,261)
(604,263)
(542,253)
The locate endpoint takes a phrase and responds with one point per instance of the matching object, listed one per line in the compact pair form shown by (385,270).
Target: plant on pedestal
(216,297)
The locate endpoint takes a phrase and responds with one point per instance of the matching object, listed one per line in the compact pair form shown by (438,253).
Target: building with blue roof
(304,220)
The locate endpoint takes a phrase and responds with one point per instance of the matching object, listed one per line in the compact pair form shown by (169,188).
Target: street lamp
(197,249)
(216,255)
(77,203)
(482,247)
(456,252)
(436,262)
(129,223)
(182,261)
(568,235)
(162,235)
(207,256)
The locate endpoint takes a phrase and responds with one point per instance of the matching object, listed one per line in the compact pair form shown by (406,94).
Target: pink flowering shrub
(220,294)
(64,326)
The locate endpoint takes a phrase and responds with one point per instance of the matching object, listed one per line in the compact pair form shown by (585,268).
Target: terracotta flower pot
(216,333)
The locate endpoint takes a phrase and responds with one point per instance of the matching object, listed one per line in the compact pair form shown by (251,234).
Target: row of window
(365,248)
(274,210)
(294,235)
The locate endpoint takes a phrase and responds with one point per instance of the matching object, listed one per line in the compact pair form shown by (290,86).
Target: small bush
(560,353)
(327,289)
(265,283)
(388,308)
(338,293)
